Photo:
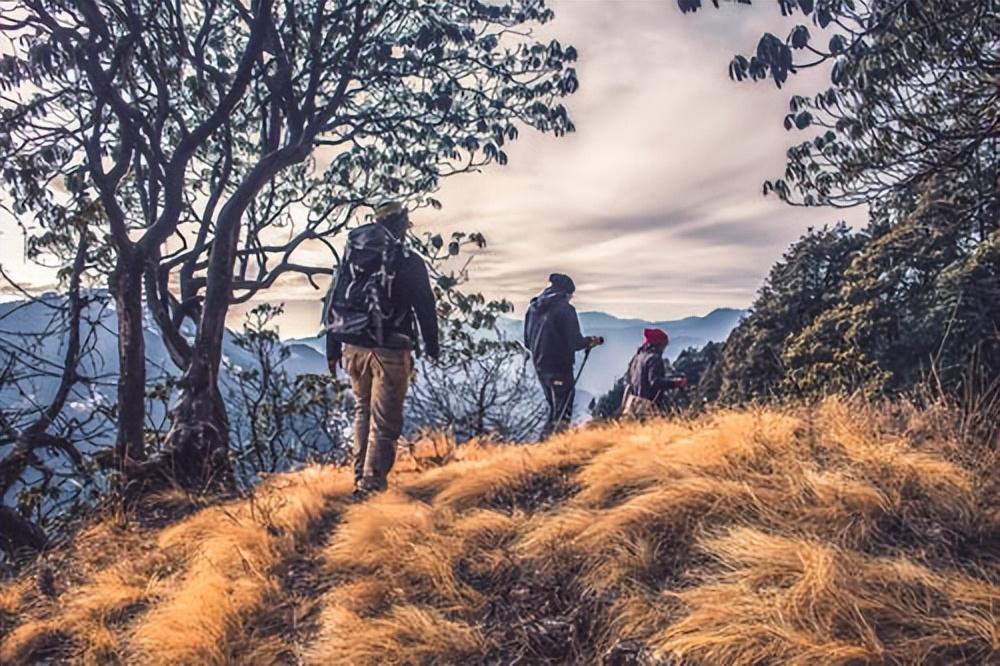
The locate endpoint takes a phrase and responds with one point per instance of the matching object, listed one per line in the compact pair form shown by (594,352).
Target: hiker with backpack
(552,335)
(380,293)
(647,379)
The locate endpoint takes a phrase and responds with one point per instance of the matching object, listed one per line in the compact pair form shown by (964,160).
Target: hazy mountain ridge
(308,355)
(21,320)
(623,336)
(607,363)
(30,340)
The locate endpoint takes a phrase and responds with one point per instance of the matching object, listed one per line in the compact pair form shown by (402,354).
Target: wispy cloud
(654,205)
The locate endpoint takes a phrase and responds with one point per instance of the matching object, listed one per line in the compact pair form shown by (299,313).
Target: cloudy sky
(654,205)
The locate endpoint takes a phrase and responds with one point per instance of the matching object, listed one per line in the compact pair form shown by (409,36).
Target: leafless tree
(42,369)
(484,387)
(281,420)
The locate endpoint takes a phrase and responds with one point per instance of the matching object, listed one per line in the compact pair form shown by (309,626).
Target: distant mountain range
(28,326)
(623,336)
(24,326)
(308,355)
(606,363)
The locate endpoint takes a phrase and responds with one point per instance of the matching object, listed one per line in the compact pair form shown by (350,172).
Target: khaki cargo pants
(379,379)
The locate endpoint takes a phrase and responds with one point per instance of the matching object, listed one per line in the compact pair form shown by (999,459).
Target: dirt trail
(279,632)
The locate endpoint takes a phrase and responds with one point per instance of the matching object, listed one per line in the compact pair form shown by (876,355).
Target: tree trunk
(126,287)
(17,533)
(199,437)
(198,442)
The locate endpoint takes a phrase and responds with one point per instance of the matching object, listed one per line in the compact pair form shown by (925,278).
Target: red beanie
(655,336)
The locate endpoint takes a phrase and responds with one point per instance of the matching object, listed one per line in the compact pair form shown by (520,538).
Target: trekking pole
(562,412)
(586,355)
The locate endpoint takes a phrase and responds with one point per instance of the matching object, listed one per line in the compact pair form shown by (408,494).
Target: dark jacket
(411,295)
(647,373)
(552,333)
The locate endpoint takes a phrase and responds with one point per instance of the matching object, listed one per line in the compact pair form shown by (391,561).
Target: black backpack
(359,301)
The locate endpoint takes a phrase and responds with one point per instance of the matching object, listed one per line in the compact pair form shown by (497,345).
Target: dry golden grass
(796,601)
(839,534)
(11,598)
(229,551)
(94,580)
(178,595)
(832,535)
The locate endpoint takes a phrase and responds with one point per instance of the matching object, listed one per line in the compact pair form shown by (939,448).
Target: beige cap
(388,209)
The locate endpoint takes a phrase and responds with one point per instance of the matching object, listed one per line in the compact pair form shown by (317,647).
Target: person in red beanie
(647,379)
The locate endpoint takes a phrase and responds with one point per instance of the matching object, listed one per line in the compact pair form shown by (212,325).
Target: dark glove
(594,341)
(332,362)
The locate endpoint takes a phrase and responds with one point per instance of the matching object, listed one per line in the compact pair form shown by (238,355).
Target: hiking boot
(366,487)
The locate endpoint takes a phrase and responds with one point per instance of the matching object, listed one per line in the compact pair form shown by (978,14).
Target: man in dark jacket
(647,378)
(380,374)
(552,334)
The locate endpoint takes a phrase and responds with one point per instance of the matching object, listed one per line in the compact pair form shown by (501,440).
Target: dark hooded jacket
(647,373)
(552,333)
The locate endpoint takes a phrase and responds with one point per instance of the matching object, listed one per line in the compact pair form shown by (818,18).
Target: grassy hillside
(830,535)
